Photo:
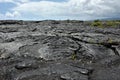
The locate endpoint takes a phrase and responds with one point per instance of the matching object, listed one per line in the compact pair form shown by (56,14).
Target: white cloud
(12,15)
(70,9)
(23,1)
(1,15)
(17,2)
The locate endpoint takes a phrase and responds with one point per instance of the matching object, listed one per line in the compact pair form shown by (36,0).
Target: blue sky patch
(4,7)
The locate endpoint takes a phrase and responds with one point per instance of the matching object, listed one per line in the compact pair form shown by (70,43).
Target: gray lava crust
(58,50)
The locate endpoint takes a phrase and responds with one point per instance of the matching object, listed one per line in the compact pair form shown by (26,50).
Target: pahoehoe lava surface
(58,50)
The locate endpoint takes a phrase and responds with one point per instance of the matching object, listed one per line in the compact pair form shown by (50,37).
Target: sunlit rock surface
(58,50)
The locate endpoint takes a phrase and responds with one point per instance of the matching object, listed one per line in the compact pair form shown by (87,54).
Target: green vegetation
(73,56)
(110,40)
(110,23)
(97,23)
(103,24)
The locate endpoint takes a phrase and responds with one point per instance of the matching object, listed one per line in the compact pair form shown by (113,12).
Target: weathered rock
(117,49)
(58,50)
(58,69)
(27,64)
(52,48)
(106,74)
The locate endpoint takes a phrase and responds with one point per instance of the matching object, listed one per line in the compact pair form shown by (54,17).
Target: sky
(59,9)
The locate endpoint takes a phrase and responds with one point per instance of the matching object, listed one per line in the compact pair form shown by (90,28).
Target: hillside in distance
(59,50)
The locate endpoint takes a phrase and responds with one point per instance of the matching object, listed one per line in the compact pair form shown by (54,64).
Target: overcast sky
(59,9)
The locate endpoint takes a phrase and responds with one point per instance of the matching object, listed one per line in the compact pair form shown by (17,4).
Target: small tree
(97,23)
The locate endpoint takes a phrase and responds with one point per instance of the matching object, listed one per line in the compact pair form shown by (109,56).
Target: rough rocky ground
(58,50)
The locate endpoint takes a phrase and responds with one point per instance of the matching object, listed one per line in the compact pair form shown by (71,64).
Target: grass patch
(73,56)
(97,23)
(103,24)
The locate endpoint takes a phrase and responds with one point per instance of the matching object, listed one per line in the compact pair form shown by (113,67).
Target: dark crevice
(77,50)
(113,49)
(76,39)
(89,74)
(108,45)
(90,71)
(116,52)
(100,43)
